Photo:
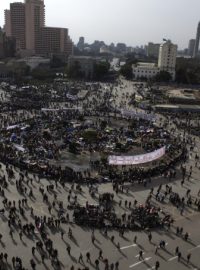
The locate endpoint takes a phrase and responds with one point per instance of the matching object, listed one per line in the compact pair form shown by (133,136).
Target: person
(6,257)
(150,237)
(62,234)
(157,265)
(135,239)
(93,238)
(32,263)
(68,250)
(88,257)
(177,250)
(186,236)
(33,251)
(42,257)
(188,258)
(100,254)
(117,265)
(97,263)
(156,249)
(80,259)
(179,256)
(141,255)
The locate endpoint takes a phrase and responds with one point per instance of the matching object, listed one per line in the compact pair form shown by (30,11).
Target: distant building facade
(191,46)
(196,47)
(145,70)
(166,62)
(7,46)
(81,43)
(26,23)
(167,57)
(152,50)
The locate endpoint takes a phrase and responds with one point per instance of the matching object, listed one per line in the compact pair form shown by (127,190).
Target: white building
(166,62)
(145,70)
(167,57)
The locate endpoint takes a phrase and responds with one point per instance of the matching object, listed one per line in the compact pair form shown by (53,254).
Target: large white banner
(138,159)
(60,109)
(135,114)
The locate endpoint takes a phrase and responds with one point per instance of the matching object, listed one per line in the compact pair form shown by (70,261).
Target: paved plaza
(118,251)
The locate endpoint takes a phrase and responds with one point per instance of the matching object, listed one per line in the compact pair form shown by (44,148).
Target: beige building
(26,22)
(16,24)
(53,41)
(35,20)
(167,57)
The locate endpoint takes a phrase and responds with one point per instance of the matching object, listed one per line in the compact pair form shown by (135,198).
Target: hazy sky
(135,22)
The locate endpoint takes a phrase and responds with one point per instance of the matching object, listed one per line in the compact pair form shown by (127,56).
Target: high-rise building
(17,23)
(26,23)
(167,57)
(53,41)
(152,50)
(35,20)
(7,26)
(196,47)
(191,46)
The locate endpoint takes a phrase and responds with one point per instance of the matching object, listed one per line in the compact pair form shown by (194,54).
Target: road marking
(153,267)
(173,258)
(135,264)
(194,248)
(133,245)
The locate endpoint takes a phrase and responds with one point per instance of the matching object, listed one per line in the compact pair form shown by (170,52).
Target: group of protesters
(41,130)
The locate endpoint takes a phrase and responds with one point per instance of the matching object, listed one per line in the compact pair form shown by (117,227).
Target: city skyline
(163,20)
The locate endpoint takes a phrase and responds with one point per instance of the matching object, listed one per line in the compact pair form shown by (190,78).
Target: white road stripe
(194,248)
(133,245)
(173,258)
(135,264)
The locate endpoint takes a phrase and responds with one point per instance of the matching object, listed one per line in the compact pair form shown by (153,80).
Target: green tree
(188,71)
(101,69)
(127,71)
(163,76)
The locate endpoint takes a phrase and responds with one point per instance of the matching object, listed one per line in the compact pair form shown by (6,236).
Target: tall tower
(196,47)
(35,20)
(167,57)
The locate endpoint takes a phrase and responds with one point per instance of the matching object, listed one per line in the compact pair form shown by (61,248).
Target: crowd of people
(31,139)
